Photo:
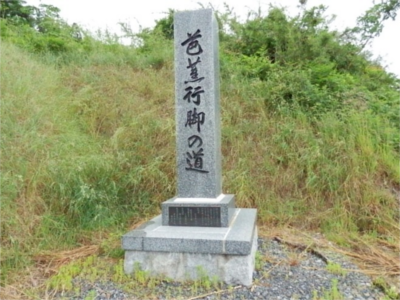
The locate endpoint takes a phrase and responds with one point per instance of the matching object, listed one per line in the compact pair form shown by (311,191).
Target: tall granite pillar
(200,227)
(198,133)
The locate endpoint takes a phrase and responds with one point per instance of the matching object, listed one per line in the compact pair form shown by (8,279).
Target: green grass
(330,173)
(332,294)
(335,268)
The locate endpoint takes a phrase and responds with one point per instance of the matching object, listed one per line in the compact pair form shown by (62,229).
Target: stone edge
(236,241)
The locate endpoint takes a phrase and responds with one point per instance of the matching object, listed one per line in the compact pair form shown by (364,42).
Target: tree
(17,11)
(42,18)
(166,25)
(47,18)
(370,24)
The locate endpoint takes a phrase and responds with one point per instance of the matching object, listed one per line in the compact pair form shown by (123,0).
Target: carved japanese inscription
(195,216)
(197,105)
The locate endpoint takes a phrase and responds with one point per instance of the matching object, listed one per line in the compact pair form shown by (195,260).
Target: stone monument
(200,228)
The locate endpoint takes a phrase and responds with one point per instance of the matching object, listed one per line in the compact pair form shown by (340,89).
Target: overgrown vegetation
(310,128)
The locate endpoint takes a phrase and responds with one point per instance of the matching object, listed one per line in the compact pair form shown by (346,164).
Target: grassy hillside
(88,149)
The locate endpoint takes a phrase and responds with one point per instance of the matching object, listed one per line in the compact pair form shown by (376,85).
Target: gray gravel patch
(285,273)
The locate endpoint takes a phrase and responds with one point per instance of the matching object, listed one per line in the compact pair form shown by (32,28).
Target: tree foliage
(39,29)
(17,11)
(370,24)
(299,62)
(166,25)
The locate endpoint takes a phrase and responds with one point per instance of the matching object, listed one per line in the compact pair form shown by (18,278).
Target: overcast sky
(95,14)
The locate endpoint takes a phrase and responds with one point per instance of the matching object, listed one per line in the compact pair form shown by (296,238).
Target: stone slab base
(234,240)
(232,269)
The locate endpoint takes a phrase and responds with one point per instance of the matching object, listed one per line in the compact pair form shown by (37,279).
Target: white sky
(95,14)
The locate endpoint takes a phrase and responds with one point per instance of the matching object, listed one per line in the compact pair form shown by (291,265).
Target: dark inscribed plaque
(194,216)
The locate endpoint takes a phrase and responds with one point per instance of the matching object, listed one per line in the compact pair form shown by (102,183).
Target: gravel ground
(285,273)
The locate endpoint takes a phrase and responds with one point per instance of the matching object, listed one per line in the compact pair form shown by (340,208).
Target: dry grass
(33,279)
(52,261)
(374,257)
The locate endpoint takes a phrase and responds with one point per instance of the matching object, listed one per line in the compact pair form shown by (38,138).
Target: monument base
(187,253)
